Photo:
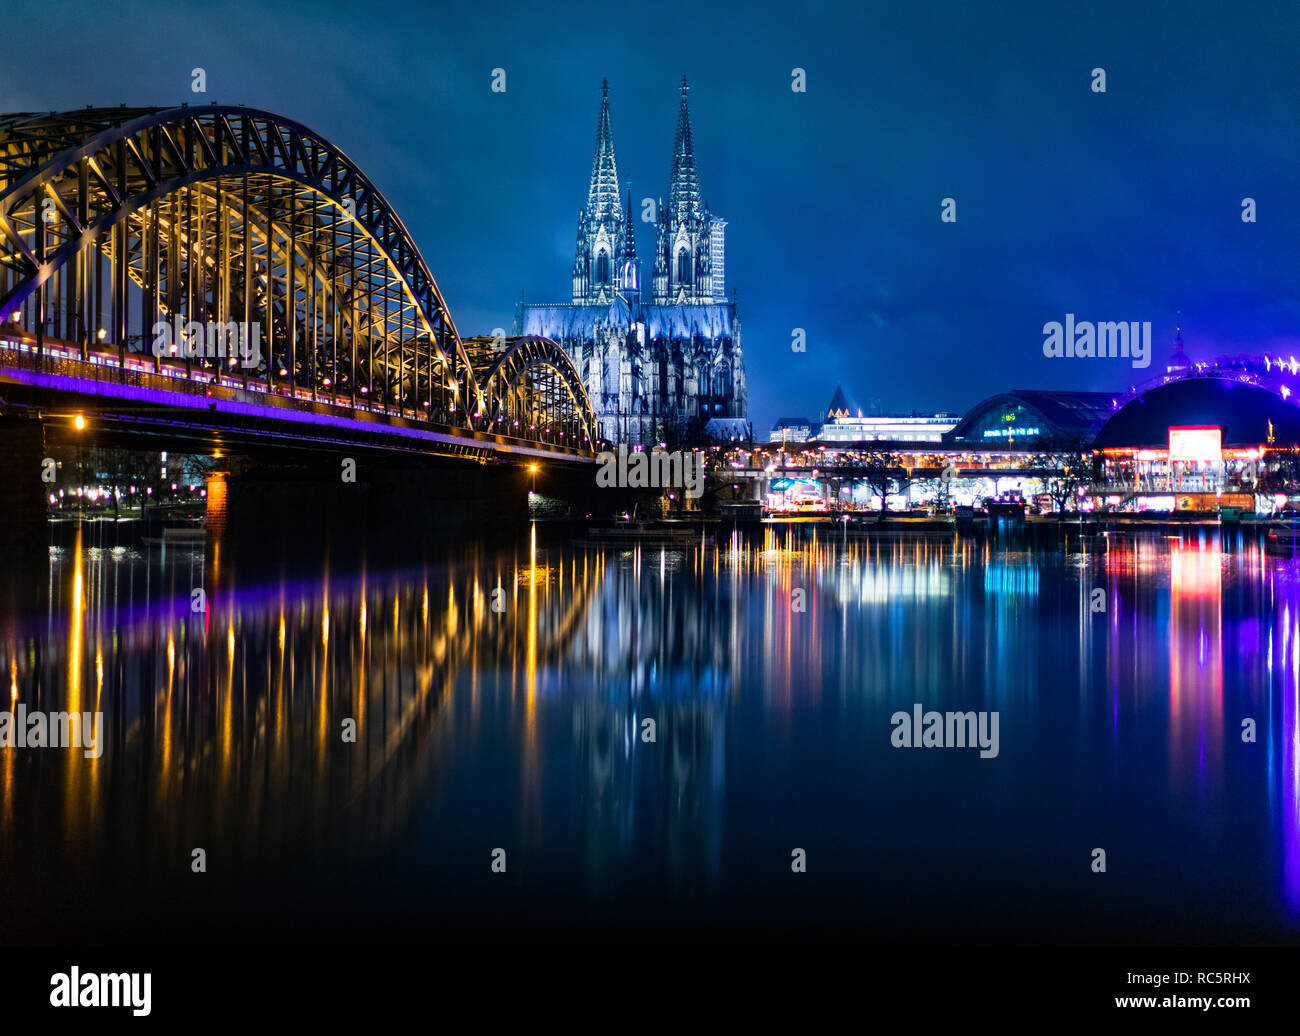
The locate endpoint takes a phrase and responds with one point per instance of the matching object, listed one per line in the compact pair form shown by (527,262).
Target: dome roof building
(1247,415)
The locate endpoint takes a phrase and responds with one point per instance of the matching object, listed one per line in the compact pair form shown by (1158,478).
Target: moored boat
(1283,536)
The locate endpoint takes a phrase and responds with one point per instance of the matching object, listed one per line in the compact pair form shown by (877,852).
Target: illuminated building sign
(782,484)
(1003,433)
(1198,443)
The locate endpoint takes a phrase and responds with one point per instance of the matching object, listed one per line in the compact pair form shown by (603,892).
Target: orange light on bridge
(79,422)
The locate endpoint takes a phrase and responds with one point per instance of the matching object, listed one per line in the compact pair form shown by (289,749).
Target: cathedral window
(602,268)
(612,373)
(684,267)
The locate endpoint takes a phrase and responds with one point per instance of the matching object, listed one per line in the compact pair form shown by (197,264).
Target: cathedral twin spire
(606,262)
(686,235)
(605,265)
(602,198)
(684,182)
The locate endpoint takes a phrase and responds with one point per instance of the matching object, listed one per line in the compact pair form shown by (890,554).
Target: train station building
(1197,437)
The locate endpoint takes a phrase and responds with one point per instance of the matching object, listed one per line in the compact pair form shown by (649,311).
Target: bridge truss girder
(116,221)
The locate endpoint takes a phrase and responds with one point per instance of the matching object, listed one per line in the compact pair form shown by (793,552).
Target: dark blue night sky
(1117,206)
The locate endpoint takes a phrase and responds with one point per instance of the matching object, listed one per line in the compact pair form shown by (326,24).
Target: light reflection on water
(500,700)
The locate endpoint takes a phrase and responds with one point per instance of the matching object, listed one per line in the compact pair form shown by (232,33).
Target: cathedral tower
(605,259)
(687,234)
(661,362)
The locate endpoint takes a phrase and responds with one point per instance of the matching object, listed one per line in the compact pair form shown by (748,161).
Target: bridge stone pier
(22,493)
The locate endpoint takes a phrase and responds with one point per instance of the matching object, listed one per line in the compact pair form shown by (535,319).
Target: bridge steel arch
(531,387)
(114,222)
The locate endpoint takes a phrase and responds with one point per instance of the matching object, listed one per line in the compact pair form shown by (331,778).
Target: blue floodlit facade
(663,363)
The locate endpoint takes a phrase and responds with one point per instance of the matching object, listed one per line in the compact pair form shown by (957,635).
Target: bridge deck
(210,398)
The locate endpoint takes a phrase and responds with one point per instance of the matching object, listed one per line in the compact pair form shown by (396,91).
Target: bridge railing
(61,359)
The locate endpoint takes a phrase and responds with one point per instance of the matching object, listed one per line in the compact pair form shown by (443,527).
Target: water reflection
(502,699)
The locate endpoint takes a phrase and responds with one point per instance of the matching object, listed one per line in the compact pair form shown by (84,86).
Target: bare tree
(1068,465)
(1281,474)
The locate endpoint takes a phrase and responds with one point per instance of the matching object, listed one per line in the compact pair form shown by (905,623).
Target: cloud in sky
(1117,206)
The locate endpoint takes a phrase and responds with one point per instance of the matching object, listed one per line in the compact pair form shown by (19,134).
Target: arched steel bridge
(138,245)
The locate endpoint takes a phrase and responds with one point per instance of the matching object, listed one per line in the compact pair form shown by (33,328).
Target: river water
(503,781)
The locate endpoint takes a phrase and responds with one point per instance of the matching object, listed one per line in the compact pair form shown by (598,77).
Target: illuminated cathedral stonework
(664,368)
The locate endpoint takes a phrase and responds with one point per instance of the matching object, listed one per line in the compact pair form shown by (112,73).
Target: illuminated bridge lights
(224,215)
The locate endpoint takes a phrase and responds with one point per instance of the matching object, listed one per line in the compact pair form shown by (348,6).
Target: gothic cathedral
(663,365)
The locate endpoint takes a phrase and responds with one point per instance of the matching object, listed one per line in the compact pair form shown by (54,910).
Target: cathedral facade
(661,361)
